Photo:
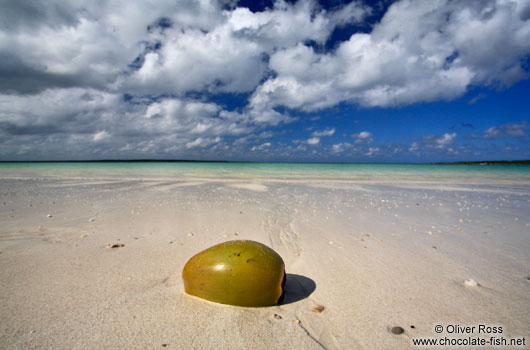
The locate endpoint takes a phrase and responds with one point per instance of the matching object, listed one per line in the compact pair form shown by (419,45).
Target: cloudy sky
(361,81)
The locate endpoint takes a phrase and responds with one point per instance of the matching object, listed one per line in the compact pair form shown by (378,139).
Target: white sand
(374,255)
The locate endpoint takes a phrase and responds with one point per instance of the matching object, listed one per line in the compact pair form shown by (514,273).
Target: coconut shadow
(297,287)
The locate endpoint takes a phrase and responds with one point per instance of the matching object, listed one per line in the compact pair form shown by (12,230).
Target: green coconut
(242,273)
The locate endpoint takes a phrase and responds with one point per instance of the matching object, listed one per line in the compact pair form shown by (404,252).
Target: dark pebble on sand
(397,330)
(318,309)
(116,245)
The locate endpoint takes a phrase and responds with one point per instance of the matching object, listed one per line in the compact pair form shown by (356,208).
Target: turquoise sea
(265,171)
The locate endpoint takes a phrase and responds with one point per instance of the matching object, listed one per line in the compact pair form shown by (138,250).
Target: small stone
(91,219)
(471,283)
(278,317)
(164,345)
(318,309)
(49,216)
(397,330)
(116,245)
(191,234)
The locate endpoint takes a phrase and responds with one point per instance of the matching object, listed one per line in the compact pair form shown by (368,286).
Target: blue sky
(346,81)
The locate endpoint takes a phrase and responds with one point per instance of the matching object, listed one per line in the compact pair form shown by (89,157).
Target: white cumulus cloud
(326,132)
(445,140)
(313,141)
(419,51)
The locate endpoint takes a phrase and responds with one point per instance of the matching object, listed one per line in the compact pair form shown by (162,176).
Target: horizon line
(481,162)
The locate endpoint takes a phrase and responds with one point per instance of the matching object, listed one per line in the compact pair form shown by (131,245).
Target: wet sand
(361,258)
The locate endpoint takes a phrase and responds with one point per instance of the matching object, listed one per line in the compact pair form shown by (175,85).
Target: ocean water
(266,171)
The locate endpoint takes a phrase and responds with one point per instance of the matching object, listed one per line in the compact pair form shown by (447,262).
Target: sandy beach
(362,257)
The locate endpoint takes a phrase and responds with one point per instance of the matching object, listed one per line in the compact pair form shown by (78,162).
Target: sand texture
(95,263)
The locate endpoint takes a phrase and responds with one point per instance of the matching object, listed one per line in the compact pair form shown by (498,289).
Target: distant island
(492,162)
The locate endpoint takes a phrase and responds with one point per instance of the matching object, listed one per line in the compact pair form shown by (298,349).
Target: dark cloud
(32,14)
(18,78)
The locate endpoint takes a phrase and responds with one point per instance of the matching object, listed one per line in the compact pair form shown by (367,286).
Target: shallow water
(268,171)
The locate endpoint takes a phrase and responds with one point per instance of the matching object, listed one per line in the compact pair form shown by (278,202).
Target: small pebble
(49,216)
(471,283)
(318,309)
(278,317)
(91,220)
(116,245)
(397,330)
